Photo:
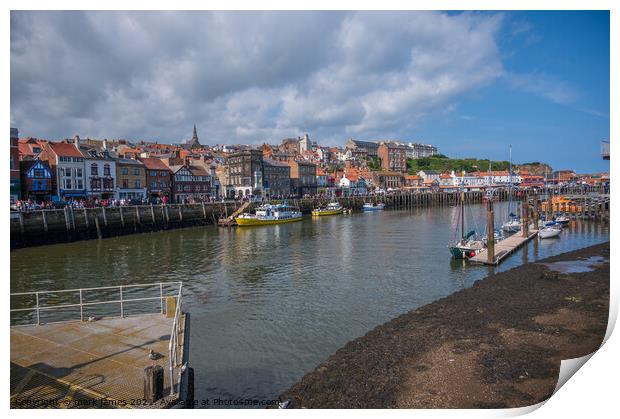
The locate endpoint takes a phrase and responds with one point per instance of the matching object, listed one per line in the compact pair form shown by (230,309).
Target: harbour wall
(70,224)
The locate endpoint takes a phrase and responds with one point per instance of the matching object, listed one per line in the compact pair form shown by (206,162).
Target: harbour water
(270,303)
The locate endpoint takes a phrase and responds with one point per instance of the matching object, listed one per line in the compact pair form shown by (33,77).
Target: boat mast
(462,207)
(510,183)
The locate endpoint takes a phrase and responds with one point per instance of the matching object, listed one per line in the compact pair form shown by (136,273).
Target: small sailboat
(369,206)
(548,232)
(468,246)
(512,225)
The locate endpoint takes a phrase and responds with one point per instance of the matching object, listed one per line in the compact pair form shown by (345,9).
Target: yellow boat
(333,208)
(269,214)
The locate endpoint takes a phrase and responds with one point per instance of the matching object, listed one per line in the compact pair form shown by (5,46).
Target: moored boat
(333,208)
(369,206)
(548,232)
(269,214)
(562,219)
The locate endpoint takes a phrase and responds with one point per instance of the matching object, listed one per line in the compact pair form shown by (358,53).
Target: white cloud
(242,76)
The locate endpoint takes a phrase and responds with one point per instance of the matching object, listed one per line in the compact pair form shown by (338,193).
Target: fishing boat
(269,214)
(369,206)
(467,246)
(548,232)
(333,208)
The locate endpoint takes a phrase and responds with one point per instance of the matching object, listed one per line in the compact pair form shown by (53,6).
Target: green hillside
(441,163)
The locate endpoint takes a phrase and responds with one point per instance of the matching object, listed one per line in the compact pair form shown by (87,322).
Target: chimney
(76,140)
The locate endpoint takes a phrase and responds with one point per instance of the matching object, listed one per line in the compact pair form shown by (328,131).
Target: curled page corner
(568,367)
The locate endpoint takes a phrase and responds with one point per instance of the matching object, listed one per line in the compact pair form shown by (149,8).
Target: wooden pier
(504,248)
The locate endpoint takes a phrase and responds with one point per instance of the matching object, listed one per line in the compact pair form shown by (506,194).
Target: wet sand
(497,344)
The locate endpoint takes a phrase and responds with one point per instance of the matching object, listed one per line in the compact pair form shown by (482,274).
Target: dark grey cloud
(243,76)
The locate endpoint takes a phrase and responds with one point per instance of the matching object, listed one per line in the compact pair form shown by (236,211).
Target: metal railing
(124,295)
(173,345)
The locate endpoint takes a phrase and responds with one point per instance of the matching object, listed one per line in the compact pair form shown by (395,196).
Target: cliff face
(534,168)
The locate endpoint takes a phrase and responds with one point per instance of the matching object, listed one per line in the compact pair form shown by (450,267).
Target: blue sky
(552,103)
(470,82)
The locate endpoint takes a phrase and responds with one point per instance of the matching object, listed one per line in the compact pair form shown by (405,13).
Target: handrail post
(81,307)
(38,315)
(121,290)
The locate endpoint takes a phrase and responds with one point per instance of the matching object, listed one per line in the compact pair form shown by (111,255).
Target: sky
(471,83)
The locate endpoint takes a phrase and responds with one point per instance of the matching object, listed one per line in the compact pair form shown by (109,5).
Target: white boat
(512,225)
(562,219)
(369,206)
(548,232)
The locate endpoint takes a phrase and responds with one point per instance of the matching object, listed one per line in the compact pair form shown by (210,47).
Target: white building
(100,174)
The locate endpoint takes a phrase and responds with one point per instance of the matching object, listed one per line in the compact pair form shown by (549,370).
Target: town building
(157,178)
(130,179)
(190,183)
(388,180)
(368,148)
(245,173)
(428,175)
(303,177)
(29,148)
(276,178)
(36,180)
(100,170)
(67,165)
(305,144)
(393,156)
(418,151)
(15,190)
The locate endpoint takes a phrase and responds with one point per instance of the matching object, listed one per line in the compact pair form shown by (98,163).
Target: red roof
(65,150)
(152,163)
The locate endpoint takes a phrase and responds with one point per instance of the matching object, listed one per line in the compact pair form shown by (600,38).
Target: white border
(591,393)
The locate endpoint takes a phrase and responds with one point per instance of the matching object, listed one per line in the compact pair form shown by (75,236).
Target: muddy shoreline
(497,344)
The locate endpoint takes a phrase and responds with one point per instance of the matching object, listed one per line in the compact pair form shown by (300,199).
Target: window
(136,171)
(136,183)
(106,170)
(162,173)
(67,183)
(125,184)
(78,172)
(36,150)
(153,185)
(125,171)
(94,169)
(38,173)
(162,184)
(79,184)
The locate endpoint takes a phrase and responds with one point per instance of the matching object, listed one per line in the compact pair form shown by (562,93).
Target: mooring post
(86,219)
(204,210)
(536,212)
(490,233)
(525,221)
(105,218)
(120,211)
(97,226)
(45,227)
(152,214)
(138,215)
(181,213)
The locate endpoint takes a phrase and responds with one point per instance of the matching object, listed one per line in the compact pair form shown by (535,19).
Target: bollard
(153,383)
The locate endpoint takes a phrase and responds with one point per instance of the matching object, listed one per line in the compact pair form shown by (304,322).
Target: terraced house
(36,180)
(131,179)
(67,163)
(157,178)
(190,183)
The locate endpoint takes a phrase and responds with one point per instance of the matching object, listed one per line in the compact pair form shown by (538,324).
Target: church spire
(194,143)
(195,135)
